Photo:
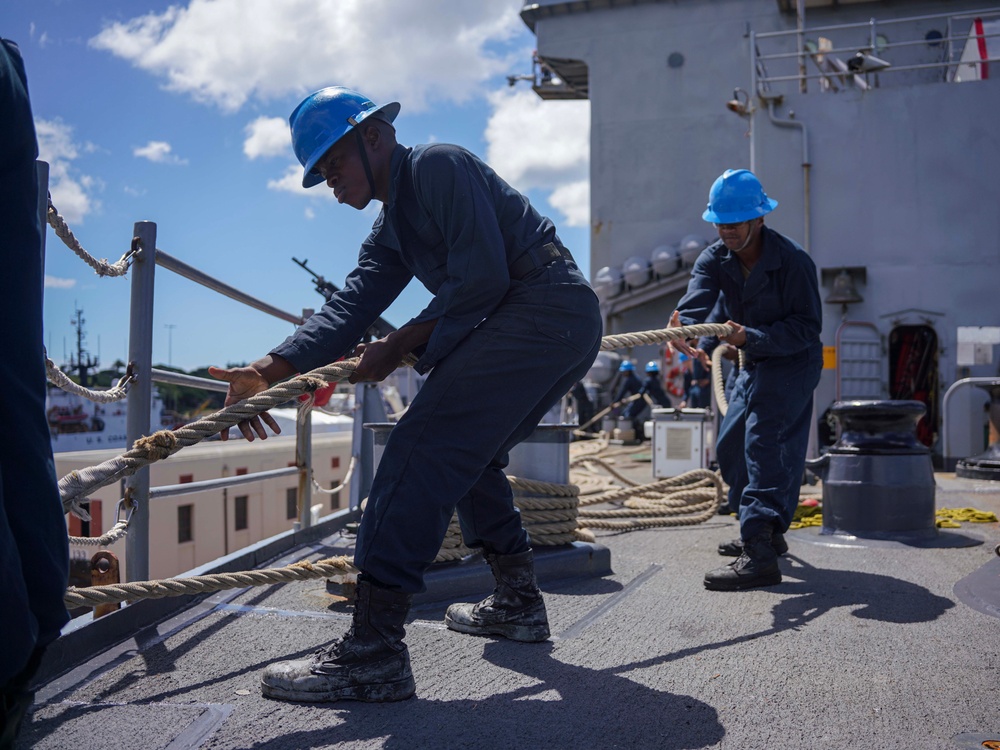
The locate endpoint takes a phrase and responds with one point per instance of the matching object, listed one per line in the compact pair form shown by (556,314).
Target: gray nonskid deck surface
(857,648)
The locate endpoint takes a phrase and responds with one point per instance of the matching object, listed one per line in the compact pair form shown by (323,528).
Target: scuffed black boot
(734,548)
(756,566)
(514,610)
(370,663)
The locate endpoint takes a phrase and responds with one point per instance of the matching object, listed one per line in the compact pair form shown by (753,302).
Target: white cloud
(310,213)
(267,136)
(158,152)
(573,201)
(534,144)
(291,182)
(72,193)
(412,51)
(54,282)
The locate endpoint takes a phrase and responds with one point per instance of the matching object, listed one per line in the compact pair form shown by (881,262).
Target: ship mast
(82,362)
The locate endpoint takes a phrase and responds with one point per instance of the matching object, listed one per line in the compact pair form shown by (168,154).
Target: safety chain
(60,379)
(101,267)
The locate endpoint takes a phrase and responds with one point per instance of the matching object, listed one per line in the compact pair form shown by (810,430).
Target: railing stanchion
(140,353)
(303,455)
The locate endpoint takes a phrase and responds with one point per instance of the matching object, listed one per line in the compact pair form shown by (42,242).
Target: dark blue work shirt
(778,304)
(451,222)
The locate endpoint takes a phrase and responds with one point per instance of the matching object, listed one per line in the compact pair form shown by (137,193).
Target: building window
(185,523)
(292,502)
(335,462)
(186,479)
(242,515)
(335,497)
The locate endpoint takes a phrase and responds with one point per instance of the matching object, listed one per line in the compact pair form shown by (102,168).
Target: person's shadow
(570,706)
(567,707)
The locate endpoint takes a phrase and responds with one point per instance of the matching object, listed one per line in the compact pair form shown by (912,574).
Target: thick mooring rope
(551,512)
(165,443)
(120,592)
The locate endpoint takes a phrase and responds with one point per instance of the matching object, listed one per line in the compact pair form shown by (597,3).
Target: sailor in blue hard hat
(765,287)
(511,316)
(627,384)
(652,387)
(737,204)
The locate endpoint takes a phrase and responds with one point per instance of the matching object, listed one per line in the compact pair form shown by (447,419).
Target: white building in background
(186,531)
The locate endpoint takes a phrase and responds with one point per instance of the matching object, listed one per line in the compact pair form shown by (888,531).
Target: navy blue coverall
(34,553)
(764,436)
(638,410)
(507,346)
(628,385)
(697,383)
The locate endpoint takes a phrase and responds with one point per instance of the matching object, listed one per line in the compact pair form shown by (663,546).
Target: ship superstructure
(871,123)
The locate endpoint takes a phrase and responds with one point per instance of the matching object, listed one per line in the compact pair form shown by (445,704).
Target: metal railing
(958,384)
(137,486)
(869,38)
(137,490)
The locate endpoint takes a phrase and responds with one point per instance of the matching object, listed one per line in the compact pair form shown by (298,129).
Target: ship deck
(863,645)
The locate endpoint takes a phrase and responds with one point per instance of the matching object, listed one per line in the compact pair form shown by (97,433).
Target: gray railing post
(140,354)
(368,408)
(303,459)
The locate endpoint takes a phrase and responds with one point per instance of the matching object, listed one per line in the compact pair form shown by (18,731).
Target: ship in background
(78,424)
(874,126)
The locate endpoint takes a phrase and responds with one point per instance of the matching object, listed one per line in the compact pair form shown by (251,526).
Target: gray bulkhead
(902,175)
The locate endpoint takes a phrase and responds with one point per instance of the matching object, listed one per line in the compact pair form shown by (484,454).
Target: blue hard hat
(652,367)
(735,197)
(626,366)
(326,116)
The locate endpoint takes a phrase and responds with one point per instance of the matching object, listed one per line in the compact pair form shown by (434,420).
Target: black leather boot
(370,663)
(514,610)
(734,548)
(756,566)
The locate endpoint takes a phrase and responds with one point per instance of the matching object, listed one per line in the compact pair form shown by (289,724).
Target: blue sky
(176,114)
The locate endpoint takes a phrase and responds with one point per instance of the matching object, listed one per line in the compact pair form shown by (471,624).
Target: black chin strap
(364,160)
(741,247)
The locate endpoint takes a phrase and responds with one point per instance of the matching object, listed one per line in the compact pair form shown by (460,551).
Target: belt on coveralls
(537,257)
